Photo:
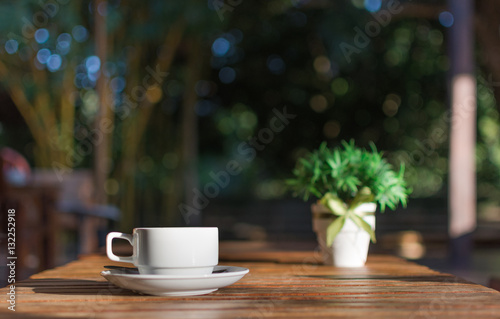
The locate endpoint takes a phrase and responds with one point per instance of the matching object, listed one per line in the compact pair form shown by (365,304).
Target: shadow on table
(75,287)
(25,315)
(434,278)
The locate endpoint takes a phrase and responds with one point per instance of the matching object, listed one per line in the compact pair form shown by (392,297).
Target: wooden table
(280,285)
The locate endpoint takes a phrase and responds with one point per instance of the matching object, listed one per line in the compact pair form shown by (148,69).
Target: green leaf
(323,146)
(305,162)
(334,204)
(315,192)
(364,225)
(333,229)
(364,195)
(352,183)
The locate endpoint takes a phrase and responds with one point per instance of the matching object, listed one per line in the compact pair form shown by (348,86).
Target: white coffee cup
(179,251)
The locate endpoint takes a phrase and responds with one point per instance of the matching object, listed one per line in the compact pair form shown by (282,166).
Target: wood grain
(279,285)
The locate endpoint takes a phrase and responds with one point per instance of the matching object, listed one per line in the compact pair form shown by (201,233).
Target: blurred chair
(78,210)
(35,222)
(55,219)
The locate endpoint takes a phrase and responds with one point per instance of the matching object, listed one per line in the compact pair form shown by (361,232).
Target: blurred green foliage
(393,92)
(257,56)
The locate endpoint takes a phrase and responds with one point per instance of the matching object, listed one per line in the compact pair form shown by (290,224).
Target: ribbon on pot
(345,211)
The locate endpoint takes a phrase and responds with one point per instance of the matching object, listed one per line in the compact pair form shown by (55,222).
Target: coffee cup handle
(109,244)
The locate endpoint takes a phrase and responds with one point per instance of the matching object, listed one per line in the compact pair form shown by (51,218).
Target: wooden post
(102,144)
(462,179)
(88,227)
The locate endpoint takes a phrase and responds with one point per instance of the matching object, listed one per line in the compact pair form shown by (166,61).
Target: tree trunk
(102,145)
(487,26)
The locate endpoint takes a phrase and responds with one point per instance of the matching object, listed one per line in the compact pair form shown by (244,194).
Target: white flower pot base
(350,247)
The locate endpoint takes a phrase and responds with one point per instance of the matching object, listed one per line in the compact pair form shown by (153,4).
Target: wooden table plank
(279,285)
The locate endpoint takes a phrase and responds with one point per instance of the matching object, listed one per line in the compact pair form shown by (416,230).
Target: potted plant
(349,183)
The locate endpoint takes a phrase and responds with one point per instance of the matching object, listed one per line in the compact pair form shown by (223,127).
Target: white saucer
(161,285)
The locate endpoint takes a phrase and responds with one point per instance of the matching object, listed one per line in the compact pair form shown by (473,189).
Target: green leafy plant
(345,177)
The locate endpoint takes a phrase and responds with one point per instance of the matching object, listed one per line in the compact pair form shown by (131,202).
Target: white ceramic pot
(350,247)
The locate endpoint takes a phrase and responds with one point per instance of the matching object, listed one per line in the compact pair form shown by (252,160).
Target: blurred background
(120,114)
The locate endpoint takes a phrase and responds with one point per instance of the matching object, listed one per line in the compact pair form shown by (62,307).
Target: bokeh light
(340,86)
(275,64)
(43,55)
(318,103)
(446,19)
(111,186)
(79,80)
(436,37)
(393,57)
(154,94)
(102,9)
(391,104)
(247,119)
(270,189)
(63,43)
(322,64)
(93,76)
(373,5)
(54,62)
(360,4)
(93,64)
(41,35)
(331,129)
(117,84)
(204,107)
(227,75)
(220,47)
(90,103)
(226,125)
(11,46)
(80,34)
